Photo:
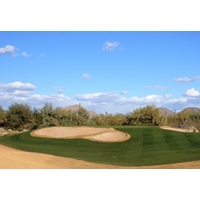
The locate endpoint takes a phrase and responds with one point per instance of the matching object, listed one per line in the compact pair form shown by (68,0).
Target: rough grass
(147,146)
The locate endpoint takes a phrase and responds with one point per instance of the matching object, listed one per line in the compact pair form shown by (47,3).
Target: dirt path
(15,159)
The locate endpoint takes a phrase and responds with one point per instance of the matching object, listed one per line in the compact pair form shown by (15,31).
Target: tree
(82,116)
(37,118)
(195,120)
(61,116)
(19,117)
(184,120)
(48,116)
(149,116)
(2,117)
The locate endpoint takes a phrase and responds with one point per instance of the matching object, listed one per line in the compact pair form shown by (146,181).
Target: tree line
(20,116)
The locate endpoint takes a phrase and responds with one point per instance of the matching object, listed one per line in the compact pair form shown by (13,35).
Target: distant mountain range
(163,111)
(192,109)
(167,112)
(76,107)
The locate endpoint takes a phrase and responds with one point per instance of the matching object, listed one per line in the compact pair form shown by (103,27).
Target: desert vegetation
(21,117)
(185,119)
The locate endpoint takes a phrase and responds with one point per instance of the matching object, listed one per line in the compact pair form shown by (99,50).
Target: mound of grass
(147,146)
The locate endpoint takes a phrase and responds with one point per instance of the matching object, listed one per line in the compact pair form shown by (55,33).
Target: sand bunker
(90,133)
(180,129)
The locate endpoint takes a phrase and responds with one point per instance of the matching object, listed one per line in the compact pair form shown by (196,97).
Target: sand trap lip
(90,133)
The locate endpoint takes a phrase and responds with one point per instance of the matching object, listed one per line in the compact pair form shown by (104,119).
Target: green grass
(147,146)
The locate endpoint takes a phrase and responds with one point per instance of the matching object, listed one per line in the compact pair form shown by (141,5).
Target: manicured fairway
(147,146)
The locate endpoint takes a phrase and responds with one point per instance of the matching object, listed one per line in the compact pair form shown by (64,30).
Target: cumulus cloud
(8,50)
(192,93)
(101,102)
(191,99)
(17,86)
(15,92)
(38,100)
(149,99)
(97,97)
(24,93)
(110,46)
(178,100)
(113,102)
(86,76)
(186,79)
(114,99)
(25,54)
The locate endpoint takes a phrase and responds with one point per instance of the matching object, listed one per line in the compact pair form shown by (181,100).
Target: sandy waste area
(15,159)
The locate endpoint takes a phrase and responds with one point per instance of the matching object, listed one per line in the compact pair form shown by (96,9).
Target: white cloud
(23,93)
(114,102)
(17,86)
(97,97)
(167,95)
(157,87)
(38,100)
(101,102)
(85,75)
(192,93)
(178,100)
(9,50)
(186,79)
(150,99)
(124,92)
(110,46)
(25,54)
(16,89)
(58,90)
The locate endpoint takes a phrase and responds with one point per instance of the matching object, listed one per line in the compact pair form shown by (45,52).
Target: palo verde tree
(19,117)
(185,119)
(195,120)
(82,116)
(48,116)
(149,116)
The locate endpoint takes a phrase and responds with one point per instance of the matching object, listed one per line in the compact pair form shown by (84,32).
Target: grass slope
(147,146)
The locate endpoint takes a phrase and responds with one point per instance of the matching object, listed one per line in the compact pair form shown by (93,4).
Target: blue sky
(114,71)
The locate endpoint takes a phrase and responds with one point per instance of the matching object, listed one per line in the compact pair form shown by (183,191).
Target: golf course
(145,147)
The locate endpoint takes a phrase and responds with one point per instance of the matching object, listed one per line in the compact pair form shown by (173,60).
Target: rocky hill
(168,112)
(76,107)
(191,109)
(72,107)
(165,111)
